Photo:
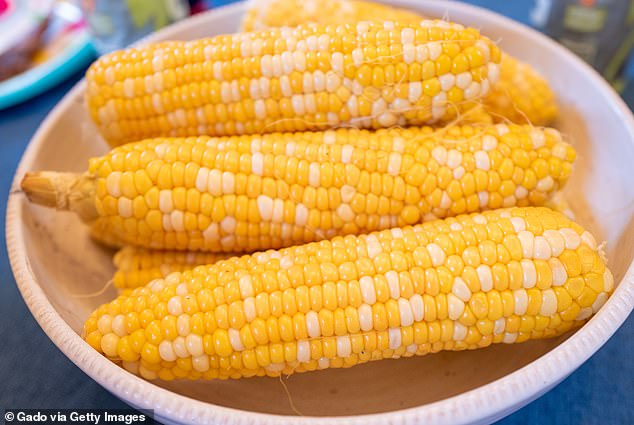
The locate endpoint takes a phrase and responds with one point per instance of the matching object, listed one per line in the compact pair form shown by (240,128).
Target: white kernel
(415,91)
(368,292)
(303,351)
(128,87)
(285,86)
(336,61)
(346,153)
(499,326)
(246,286)
(485,276)
(422,53)
(538,138)
(166,351)
(250,312)
(493,72)
(459,331)
(546,184)
(436,253)
(180,348)
(455,226)
(509,338)
(265,207)
(118,325)
(447,81)
(174,306)
(458,172)
(182,325)
(555,241)
(463,80)
(549,303)
(418,307)
(608,281)
(259,109)
(113,183)
(483,198)
(344,347)
(211,232)
(502,129)
(527,240)
(312,324)
(393,284)
(194,344)
(344,211)
(165,201)
(235,340)
(541,248)
(217,70)
(319,81)
(409,53)
(201,363)
(529,273)
(257,164)
(560,276)
(455,306)
(584,313)
(214,183)
(201,179)
(365,317)
(177,218)
(405,310)
(299,61)
(489,142)
(520,192)
(301,215)
(597,304)
(394,335)
(482,160)
(474,90)
(278,211)
(435,50)
(439,105)
(124,206)
(347,193)
(104,324)
(314,174)
(588,239)
(520,298)
(454,158)
(439,153)
(571,238)
(479,219)
(373,246)
(461,290)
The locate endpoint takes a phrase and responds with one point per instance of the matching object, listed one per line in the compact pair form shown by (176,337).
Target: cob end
(63,191)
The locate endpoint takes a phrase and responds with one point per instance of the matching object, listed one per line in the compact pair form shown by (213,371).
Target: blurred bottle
(117,23)
(599,31)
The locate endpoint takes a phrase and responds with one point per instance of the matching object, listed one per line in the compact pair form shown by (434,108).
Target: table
(35,374)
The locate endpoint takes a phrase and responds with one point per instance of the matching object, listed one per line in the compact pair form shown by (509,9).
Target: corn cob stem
(62,191)
(455,284)
(248,193)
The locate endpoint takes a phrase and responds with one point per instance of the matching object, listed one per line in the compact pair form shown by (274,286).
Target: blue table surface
(35,374)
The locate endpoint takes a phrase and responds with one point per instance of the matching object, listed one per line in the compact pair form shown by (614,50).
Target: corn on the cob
(368,75)
(521,95)
(264,14)
(248,193)
(454,284)
(138,266)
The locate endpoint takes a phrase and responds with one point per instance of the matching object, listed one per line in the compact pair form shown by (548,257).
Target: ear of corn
(521,95)
(263,14)
(138,266)
(367,75)
(502,276)
(248,193)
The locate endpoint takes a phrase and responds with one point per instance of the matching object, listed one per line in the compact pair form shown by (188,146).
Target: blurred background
(45,42)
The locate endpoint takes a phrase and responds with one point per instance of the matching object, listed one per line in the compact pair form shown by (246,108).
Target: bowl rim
(482,404)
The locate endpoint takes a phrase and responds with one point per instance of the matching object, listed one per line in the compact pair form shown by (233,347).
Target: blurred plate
(65,50)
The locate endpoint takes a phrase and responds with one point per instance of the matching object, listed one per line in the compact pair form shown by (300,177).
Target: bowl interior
(72,270)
